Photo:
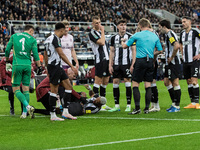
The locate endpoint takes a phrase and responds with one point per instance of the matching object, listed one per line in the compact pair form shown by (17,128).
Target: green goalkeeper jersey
(23,44)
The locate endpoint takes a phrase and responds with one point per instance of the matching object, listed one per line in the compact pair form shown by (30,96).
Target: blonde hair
(65,22)
(144,22)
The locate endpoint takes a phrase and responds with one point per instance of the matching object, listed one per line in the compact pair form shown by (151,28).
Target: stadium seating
(47,14)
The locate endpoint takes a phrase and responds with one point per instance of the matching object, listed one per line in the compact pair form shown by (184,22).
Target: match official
(146,41)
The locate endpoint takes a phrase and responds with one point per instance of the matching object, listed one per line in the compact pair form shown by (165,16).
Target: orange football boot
(190,106)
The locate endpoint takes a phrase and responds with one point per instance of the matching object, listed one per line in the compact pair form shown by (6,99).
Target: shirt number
(22,41)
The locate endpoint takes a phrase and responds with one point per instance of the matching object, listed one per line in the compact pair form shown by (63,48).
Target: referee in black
(190,42)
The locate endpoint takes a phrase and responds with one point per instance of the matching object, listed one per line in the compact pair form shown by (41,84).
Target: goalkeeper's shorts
(21,74)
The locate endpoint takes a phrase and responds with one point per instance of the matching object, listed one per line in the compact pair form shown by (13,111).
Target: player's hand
(39,70)
(123,39)
(83,100)
(131,69)
(101,27)
(197,57)
(77,65)
(169,60)
(87,86)
(8,67)
(111,70)
(75,70)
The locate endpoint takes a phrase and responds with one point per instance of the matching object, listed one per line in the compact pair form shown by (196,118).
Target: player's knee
(194,83)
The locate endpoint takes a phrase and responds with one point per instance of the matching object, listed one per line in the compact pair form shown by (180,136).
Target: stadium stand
(14,14)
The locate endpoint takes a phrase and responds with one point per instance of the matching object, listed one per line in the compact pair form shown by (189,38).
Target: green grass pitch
(104,130)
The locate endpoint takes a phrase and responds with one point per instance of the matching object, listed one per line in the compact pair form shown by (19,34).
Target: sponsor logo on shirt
(187,42)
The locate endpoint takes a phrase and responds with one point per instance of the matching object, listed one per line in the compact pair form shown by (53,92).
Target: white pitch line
(126,141)
(122,118)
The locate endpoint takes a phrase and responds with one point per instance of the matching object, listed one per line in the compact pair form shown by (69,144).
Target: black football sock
(196,93)
(11,100)
(128,92)
(147,97)
(190,91)
(52,102)
(103,90)
(154,94)
(116,93)
(177,95)
(96,88)
(42,111)
(67,98)
(136,95)
(171,92)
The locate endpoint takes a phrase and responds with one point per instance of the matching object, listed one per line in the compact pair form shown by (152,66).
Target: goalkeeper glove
(8,66)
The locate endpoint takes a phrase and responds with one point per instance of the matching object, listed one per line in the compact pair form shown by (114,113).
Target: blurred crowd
(83,10)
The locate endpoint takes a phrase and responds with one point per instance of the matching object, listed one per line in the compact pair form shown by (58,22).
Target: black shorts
(56,74)
(155,70)
(121,71)
(143,70)
(191,70)
(101,69)
(172,71)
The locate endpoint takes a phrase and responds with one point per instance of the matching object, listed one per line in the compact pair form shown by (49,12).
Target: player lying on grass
(42,94)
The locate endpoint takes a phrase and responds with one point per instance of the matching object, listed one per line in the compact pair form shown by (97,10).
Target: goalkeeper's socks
(21,97)
(26,94)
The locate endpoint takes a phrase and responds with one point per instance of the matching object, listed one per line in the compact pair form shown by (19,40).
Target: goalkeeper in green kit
(23,44)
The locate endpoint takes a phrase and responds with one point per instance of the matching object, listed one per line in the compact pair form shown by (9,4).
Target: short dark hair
(121,21)
(187,17)
(59,25)
(165,23)
(28,27)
